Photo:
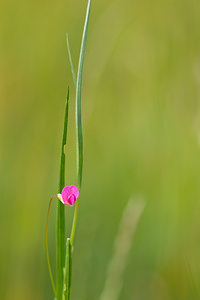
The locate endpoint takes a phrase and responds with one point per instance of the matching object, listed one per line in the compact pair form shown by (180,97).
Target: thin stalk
(47,249)
(79,131)
(74,222)
(67,272)
(61,213)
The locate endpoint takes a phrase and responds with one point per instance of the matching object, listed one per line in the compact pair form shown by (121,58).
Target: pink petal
(74,190)
(70,194)
(71,200)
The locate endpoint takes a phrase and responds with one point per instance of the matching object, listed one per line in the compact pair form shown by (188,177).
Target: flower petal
(74,190)
(70,194)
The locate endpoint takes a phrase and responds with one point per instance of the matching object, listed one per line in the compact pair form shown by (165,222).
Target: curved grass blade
(70,60)
(47,249)
(61,213)
(79,133)
(67,272)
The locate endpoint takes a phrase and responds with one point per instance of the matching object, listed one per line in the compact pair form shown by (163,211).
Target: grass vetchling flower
(69,195)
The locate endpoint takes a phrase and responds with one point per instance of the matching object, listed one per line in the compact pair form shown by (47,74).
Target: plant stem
(61,214)
(67,272)
(74,223)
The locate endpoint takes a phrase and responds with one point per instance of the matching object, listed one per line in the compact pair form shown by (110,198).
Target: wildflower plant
(68,195)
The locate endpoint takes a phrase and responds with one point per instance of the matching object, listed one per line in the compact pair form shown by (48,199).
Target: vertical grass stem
(61,213)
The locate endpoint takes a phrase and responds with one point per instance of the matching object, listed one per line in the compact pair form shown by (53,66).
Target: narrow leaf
(61,212)
(79,133)
(70,60)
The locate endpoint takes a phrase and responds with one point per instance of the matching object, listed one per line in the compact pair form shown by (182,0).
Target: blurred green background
(141,118)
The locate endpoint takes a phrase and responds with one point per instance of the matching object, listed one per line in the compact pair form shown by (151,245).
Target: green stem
(74,222)
(67,272)
(61,214)
(60,249)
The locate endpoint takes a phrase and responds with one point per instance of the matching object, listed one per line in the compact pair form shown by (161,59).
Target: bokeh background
(141,118)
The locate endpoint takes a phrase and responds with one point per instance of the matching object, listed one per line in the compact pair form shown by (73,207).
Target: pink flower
(69,195)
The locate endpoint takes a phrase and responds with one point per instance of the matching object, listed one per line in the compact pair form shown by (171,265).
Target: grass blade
(70,60)
(68,271)
(114,279)
(79,133)
(61,213)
